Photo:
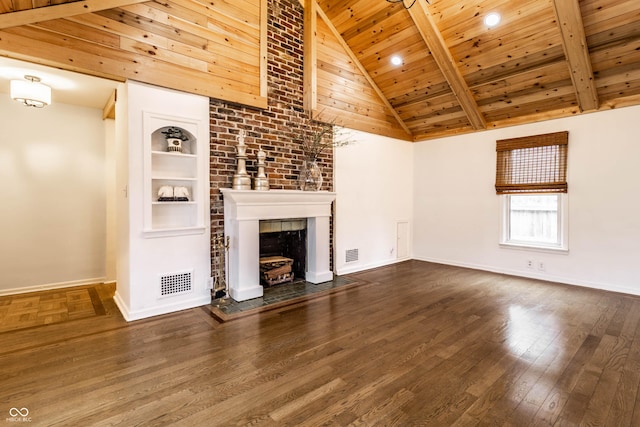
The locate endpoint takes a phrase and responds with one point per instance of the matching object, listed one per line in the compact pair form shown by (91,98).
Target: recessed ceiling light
(492,19)
(396,60)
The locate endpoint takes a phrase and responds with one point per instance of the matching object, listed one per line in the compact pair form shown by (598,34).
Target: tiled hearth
(279,295)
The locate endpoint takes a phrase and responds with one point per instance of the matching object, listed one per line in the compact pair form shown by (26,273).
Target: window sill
(529,247)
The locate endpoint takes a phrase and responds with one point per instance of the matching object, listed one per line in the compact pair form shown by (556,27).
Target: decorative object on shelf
(261,182)
(220,248)
(181,194)
(404,4)
(165,194)
(175,137)
(31,92)
(241,179)
(314,143)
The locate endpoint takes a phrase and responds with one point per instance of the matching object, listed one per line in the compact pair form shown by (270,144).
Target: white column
(318,258)
(244,260)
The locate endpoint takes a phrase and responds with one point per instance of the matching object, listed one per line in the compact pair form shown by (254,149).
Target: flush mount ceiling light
(404,4)
(396,60)
(492,19)
(31,92)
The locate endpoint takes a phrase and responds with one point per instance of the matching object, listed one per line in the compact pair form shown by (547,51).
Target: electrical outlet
(541,265)
(529,263)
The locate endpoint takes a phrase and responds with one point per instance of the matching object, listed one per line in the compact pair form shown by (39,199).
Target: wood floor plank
(418,344)
(624,398)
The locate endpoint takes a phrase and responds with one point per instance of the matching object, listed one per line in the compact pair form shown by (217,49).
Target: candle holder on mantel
(261,182)
(241,179)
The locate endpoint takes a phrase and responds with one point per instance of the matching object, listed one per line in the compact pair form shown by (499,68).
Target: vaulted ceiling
(545,59)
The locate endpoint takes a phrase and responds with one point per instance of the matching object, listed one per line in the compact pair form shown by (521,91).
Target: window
(535,220)
(531,177)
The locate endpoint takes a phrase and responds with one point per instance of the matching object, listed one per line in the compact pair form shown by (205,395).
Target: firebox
(283,250)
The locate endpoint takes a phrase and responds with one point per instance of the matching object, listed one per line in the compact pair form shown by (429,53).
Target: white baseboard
(51,286)
(122,306)
(362,267)
(536,275)
(184,304)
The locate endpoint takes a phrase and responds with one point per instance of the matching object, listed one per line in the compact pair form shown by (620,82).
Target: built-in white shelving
(177,171)
(164,247)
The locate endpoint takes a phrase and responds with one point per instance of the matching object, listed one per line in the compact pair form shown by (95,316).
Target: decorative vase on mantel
(310,178)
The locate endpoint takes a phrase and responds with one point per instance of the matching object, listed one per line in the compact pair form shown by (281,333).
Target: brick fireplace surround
(275,129)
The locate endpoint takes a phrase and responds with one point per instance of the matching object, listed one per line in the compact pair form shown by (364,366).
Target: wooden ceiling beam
(310,56)
(65,10)
(441,54)
(576,50)
(355,60)
(109,109)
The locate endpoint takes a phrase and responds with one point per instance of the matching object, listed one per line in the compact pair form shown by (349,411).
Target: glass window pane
(534,219)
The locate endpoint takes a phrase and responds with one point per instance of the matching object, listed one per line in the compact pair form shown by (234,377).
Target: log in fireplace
(283,250)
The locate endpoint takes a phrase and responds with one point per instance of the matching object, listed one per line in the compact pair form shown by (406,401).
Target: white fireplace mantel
(243,210)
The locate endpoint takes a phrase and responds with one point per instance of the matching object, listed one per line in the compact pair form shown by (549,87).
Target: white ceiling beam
(65,10)
(441,54)
(576,51)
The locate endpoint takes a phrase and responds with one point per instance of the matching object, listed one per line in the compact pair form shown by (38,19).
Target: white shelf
(174,203)
(171,232)
(175,154)
(173,178)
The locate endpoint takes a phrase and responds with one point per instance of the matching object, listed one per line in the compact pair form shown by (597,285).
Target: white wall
(373,180)
(52,197)
(457,213)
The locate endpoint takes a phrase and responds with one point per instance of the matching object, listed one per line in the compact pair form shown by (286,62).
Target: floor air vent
(351,255)
(173,284)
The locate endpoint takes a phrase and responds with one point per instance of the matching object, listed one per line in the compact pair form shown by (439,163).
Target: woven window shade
(532,164)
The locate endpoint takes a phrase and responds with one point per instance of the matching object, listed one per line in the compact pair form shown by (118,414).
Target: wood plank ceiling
(213,50)
(546,59)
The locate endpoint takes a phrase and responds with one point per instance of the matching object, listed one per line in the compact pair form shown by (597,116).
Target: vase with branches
(314,143)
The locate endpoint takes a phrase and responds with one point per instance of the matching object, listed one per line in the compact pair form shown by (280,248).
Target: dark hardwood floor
(415,344)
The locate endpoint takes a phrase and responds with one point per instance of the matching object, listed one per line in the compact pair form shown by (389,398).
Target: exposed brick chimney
(273,129)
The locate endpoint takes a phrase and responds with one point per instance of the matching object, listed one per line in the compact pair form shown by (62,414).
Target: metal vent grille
(351,255)
(175,284)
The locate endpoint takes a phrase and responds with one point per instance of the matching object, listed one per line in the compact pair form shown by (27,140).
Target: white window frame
(563,227)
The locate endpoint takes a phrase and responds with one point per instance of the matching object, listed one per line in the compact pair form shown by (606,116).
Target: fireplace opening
(283,251)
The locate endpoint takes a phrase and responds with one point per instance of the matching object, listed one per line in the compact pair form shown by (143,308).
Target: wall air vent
(351,255)
(177,283)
